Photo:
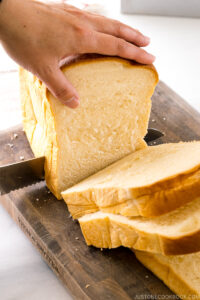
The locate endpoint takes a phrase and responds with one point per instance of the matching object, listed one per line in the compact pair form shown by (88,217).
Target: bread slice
(149,182)
(177,232)
(110,122)
(180,273)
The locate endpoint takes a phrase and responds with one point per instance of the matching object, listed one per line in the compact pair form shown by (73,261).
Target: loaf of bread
(180,273)
(148,182)
(174,233)
(147,199)
(109,124)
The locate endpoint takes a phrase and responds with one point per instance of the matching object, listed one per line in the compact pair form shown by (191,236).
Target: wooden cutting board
(88,272)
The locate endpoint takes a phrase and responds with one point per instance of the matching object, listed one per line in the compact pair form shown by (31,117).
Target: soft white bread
(177,232)
(110,122)
(149,182)
(180,273)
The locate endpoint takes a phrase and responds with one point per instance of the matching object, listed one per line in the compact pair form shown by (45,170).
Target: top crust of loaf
(90,57)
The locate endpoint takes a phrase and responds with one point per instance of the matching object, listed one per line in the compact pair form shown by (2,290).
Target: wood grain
(88,272)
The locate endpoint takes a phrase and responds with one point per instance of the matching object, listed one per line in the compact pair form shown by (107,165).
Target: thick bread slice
(110,122)
(180,273)
(149,182)
(177,232)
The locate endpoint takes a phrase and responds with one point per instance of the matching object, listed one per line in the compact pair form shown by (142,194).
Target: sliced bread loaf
(180,273)
(110,122)
(174,233)
(149,182)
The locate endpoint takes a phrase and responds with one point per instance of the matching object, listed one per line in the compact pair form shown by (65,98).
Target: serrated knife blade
(21,174)
(152,135)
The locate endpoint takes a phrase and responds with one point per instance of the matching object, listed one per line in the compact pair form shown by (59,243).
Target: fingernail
(72,102)
(152,57)
(147,39)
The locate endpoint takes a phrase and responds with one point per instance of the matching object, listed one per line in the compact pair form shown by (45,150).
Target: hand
(39,36)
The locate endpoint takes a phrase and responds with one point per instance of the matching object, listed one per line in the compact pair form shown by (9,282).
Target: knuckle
(85,39)
(119,28)
(140,52)
(77,13)
(121,46)
(60,93)
(48,69)
(83,33)
(81,30)
(137,35)
(43,71)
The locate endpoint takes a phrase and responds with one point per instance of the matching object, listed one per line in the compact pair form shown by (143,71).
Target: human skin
(40,36)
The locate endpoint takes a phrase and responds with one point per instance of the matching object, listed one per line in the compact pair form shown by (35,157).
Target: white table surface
(176,43)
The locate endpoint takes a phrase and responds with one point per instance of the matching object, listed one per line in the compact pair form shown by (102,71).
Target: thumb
(61,88)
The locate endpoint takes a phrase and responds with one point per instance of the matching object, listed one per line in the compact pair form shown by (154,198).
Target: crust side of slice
(175,234)
(161,198)
(179,273)
(106,233)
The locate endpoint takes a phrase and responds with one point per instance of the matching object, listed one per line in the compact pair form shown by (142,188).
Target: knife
(152,135)
(21,174)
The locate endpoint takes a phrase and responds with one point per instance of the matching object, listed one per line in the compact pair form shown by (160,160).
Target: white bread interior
(109,124)
(174,233)
(148,182)
(180,273)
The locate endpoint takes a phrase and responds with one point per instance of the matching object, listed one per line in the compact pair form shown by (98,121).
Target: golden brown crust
(90,57)
(181,245)
(36,117)
(172,194)
(106,232)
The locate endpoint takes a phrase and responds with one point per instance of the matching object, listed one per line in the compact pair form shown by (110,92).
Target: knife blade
(152,135)
(21,174)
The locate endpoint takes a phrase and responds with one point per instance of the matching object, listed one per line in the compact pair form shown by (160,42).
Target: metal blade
(152,135)
(19,175)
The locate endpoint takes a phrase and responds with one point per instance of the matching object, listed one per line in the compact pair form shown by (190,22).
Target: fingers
(61,88)
(109,26)
(120,30)
(109,45)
